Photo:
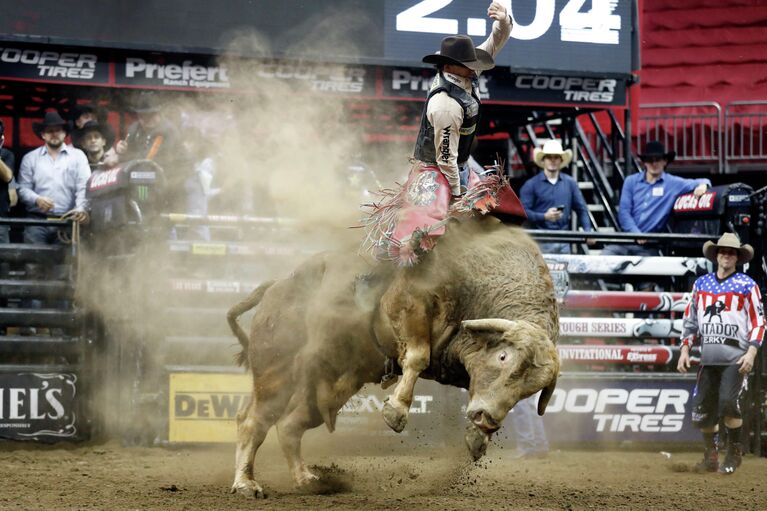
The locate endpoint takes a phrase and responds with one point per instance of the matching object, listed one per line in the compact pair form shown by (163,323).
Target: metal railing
(746,126)
(693,130)
(705,133)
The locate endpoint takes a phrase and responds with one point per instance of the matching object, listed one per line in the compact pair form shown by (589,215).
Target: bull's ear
(546,394)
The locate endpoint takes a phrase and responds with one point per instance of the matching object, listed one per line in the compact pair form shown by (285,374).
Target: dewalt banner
(203,406)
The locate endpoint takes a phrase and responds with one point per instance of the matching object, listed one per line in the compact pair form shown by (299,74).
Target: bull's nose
(483,421)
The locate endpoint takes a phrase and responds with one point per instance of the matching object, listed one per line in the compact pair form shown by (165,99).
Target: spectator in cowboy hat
(725,314)
(82,114)
(648,197)
(550,197)
(52,179)
(152,137)
(95,140)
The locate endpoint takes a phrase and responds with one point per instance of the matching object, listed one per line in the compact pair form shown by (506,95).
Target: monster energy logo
(142,192)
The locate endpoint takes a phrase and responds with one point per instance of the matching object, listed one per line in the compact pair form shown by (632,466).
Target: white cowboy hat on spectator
(728,240)
(553,147)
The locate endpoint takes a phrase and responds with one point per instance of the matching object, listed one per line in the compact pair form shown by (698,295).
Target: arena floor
(107,476)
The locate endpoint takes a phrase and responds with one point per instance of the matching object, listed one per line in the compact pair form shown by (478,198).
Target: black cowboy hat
(105,130)
(460,49)
(145,103)
(79,110)
(51,119)
(656,149)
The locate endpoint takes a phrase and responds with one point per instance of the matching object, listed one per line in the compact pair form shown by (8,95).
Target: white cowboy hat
(553,146)
(728,240)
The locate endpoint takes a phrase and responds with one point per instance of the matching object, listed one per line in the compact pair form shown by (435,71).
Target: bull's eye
(502,356)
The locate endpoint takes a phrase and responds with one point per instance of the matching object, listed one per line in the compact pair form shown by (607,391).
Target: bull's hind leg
(252,428)
(407,317)
(253,423)
(291,428)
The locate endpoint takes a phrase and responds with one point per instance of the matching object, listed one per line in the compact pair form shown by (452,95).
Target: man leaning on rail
(726,314)
(647,198)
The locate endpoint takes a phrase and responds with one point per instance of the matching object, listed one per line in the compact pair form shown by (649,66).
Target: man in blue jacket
(550,197)
(648,197)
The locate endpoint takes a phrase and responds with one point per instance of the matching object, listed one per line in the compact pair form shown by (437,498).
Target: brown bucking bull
(478,312)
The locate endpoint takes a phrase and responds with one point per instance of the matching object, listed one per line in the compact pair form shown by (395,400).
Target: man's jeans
(629,250)
(41,235)
(527,427)
(554,248)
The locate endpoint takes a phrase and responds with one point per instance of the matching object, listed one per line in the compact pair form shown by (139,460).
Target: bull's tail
(238,310)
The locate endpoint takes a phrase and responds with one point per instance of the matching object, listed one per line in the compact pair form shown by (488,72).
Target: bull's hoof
(249,489)
(477,441)
(305,478)
(394,418)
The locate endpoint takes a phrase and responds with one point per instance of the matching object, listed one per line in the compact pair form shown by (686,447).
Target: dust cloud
(285,146)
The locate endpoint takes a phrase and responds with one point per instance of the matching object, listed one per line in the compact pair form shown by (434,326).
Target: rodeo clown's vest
(424,146)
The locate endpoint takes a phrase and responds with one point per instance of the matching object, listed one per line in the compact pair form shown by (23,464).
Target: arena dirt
(109,476)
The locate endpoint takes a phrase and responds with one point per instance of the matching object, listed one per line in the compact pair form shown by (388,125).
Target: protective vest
(424,146)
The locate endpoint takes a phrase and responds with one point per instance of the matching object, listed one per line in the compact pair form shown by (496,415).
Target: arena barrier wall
(620,389)
(585,407)
(165,353)
(44,351)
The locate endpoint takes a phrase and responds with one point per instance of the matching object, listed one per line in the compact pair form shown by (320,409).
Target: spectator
(95,140)
(8,195)
(550,197)
(52,179)
(152,137)
(527,428)
(198,185)
(83,114)
(726,314)
(648,197)
(52,182)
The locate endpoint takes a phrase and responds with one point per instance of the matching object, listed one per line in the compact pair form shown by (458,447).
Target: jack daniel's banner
(38,406)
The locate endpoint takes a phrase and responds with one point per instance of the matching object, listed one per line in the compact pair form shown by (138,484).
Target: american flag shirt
(725,316)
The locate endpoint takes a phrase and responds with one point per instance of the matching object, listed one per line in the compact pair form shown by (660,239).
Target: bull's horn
(492,324)
(546,394)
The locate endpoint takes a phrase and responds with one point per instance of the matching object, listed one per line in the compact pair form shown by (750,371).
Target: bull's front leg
(409,322)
